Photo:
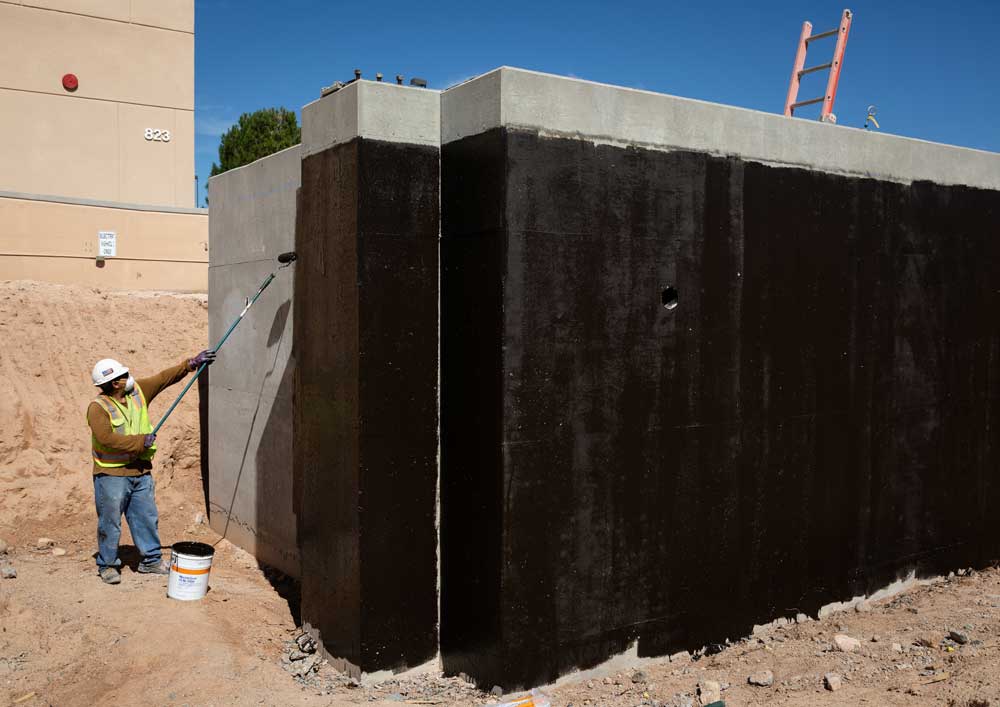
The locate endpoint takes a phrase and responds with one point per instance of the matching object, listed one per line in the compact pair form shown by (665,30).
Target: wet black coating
(816,418)
(189,547)
(365,345)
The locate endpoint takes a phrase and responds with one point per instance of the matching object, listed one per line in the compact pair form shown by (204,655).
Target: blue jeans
(133,496)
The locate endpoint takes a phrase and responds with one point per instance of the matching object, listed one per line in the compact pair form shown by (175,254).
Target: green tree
(257,135)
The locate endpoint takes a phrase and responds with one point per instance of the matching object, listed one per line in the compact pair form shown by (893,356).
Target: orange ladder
(826,114)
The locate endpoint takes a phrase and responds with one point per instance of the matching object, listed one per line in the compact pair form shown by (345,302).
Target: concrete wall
(814,420)
(135,65)
(366,388)
(56,241)
(249,455)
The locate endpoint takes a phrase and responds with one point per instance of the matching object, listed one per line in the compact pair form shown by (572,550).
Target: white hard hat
(107,369)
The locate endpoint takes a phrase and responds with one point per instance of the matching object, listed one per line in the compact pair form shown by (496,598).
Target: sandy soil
(68,639)
(50,339)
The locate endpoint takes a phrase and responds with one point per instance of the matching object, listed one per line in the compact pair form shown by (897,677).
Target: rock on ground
(764,678)
(832,682)
(709,691)
(958,637)
(304,667)
(846,643)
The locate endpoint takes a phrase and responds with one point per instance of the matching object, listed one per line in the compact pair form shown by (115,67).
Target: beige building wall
(115,154)
(134,60)
(57,242)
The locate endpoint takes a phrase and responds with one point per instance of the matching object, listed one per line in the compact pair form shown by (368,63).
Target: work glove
(207,357)
(149,441)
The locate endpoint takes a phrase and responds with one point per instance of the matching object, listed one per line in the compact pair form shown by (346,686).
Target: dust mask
(130,384)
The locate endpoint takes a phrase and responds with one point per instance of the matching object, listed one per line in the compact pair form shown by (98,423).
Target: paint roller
(284,260)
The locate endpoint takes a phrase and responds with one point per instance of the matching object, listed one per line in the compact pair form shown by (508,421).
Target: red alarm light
(70,82)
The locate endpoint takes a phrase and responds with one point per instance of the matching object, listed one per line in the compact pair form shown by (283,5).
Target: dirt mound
(50,338)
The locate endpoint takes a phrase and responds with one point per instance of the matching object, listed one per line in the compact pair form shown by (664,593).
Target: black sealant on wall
(366,400)
(814,418)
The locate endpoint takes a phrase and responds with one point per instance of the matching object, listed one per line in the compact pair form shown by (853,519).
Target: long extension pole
(285,259)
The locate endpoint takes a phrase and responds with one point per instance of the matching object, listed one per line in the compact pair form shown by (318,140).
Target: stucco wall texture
(813,420)
(53,240)
(114,153)
(135,66)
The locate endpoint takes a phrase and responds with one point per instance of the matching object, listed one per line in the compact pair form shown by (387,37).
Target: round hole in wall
(70,82)
(669,298)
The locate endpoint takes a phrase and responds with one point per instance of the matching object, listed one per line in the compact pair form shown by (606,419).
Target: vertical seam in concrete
(437,490)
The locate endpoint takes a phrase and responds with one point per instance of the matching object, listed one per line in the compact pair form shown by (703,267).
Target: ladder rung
(815,68)
(807,103)
(821,35)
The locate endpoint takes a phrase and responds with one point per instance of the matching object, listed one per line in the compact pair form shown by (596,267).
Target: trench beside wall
(813,420)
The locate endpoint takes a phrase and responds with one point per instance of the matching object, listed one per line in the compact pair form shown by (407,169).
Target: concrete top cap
(250,165)
(574,108)
(372,110)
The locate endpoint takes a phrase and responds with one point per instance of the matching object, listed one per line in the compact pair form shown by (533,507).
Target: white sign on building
(107,244)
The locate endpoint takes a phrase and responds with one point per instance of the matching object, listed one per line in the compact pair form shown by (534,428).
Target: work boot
(111,575)
(157,568)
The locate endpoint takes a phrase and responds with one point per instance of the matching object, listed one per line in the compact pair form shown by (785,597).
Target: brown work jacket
(100,425)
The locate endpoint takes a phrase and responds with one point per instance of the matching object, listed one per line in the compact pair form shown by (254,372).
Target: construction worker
(123,448)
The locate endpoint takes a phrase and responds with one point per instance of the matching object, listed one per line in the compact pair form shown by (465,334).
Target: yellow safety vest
(133,419)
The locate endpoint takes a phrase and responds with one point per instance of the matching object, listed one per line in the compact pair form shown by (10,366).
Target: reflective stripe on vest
(132,420)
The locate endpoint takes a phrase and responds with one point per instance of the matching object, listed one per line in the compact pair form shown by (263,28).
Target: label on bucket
(190,564)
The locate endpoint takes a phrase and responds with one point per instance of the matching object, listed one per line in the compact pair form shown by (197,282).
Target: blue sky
(930,67)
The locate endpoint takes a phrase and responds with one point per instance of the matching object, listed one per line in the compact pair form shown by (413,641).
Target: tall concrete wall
(816,418)
(250,438)
(366,347)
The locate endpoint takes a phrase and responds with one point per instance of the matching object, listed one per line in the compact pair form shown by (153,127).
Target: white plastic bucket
(190,564)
